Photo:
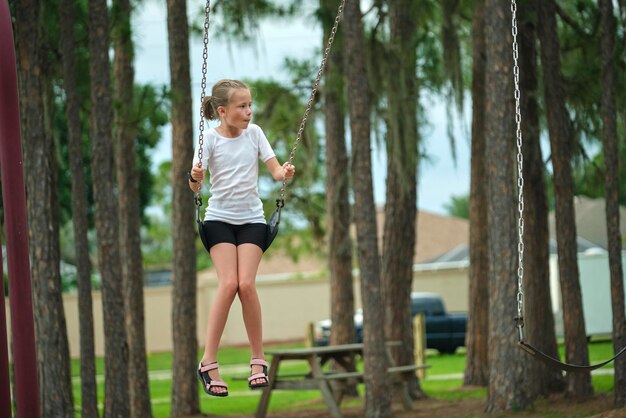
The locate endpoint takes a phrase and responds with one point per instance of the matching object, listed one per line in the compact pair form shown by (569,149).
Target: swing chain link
(316,84)
(520,176)
(205,56)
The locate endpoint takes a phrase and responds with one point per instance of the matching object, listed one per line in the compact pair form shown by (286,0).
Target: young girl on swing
(234,224)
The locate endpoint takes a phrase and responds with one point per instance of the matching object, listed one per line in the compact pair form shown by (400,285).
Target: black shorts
(217,232)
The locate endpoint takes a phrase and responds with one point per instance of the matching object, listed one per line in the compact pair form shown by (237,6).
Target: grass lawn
(444,380)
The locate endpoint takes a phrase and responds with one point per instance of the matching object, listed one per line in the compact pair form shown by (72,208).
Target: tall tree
(377,393)
(561,143)
(611,181)
(537,302)
(116,400)
(129,208)
(89,395)
(40,168)
(477,368)
(401,192)
(506,391)
(184,388)
(337,186)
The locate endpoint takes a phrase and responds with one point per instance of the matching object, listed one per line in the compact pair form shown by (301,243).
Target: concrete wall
(288,306)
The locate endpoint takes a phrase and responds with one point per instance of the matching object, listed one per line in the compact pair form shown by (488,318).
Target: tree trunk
(476,341)
(578,384)
(116,401)
(89,395)
(40,168)
(506,391)
(401,195)
(377,391)
(184,387)
(129,210)
(337,183)
(611,182)
(538,314)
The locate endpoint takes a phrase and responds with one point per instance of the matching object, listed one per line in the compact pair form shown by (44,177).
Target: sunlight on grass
(444,380)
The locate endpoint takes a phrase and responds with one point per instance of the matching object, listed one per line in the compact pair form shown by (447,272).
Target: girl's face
(238,112)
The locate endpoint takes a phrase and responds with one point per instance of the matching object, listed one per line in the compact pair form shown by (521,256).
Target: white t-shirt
(233,165)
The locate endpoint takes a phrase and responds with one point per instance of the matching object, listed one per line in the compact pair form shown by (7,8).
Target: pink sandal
(208,383)
(262,375)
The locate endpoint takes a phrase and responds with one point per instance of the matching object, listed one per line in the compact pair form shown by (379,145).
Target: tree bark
(337,184)
(129,209)
(576,351)
(377,391)
(538,314)
(611,183)
(506,391)
(89,395)
(476,341)
(401,196)
(185,391)
(116,400)
(40,168)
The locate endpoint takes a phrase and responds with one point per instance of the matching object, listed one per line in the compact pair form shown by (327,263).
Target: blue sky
(439,177)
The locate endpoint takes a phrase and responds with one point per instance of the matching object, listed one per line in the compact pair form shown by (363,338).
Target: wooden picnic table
(317,378)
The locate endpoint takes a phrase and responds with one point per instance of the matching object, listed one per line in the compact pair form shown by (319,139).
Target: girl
(234,221)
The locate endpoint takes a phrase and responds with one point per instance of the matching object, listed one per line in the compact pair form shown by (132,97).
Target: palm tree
(184,387)
(506,390)
(537,303)
(89,395)
(476,369)
(611,182)
(129,210)
(106,215)
(40,168)
(401,193)
(561,138)
(377,393)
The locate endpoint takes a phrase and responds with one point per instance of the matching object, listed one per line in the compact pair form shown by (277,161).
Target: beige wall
(288,307)
(450,282)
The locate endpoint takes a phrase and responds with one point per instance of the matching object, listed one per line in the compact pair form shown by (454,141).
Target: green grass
(243,401)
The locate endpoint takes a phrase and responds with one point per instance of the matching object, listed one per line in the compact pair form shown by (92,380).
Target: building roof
(590,227)
(461,252)
(591,221)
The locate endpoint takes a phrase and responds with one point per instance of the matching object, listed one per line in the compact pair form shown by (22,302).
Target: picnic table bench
(317,378)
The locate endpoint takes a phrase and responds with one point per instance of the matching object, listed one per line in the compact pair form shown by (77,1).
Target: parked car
(444,331)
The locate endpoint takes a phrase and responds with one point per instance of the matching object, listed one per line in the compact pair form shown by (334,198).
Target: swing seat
(557,364)
(272,225)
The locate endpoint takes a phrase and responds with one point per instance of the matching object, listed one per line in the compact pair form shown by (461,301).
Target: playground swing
(274,221)
(519,319)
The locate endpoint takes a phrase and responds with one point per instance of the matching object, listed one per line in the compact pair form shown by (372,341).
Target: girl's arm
(280,172)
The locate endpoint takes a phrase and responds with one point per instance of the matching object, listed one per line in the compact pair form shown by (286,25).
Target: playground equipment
(14,203)
(519,319)
(280,202)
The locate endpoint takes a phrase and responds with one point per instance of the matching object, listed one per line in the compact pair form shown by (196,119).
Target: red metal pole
(14,202)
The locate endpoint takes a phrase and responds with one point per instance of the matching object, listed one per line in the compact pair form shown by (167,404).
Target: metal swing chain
(520,177)
(205,56)
(281,201)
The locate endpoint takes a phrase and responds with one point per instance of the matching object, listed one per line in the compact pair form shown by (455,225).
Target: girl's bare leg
(224,258)
(248,259)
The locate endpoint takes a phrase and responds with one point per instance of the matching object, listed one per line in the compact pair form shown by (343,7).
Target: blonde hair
(220,96)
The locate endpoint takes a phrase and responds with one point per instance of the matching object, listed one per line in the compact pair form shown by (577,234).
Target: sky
(440,177)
